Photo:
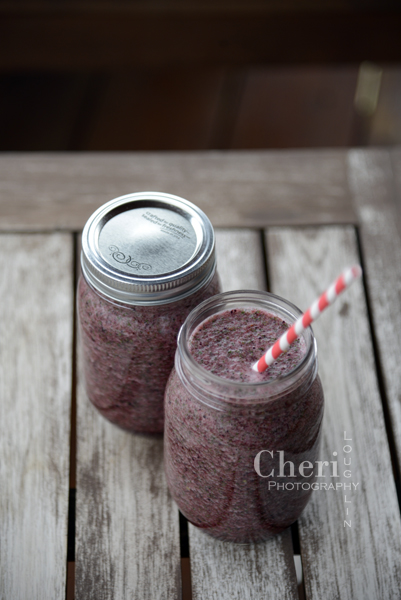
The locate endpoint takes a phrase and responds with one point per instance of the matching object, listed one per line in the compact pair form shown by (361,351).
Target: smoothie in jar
(147,260)
(221,415)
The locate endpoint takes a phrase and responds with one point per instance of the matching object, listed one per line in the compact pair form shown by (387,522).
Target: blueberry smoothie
(128,354)
(228,343)
(220,415)
(147,260)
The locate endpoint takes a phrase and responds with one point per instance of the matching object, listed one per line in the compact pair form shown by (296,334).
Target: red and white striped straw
(284,342)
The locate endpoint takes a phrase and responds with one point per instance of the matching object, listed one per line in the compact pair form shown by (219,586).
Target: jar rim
(247,299)
(203,283)
(148,248)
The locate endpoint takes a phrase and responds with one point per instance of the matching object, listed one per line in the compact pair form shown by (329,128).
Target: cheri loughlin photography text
(325,469)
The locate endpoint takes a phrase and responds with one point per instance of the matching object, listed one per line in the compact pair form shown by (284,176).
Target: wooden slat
(240,259)
(221,570)
(374,192)
(71,35)
(395,157)
(361,561)
(226,571)
(235,189)
(127,528)
(36,291)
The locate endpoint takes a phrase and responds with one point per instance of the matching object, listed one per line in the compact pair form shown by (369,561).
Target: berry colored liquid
(230,342)
(128,353)
(210,453)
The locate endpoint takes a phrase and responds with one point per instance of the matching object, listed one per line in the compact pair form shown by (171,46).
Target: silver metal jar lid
(148,248)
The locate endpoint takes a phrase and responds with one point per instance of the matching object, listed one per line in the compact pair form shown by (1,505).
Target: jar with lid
(240,448)
(147,260)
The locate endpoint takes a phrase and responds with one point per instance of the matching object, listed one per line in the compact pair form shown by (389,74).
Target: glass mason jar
(147,260)
(226,442)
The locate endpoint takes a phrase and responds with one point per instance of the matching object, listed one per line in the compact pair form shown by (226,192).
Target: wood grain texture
(395,158)
(226,571)
(221,570)
(374,195)
(127,526)
(127,529)
(235,189)
(240,260)
(361,561)
(36,291)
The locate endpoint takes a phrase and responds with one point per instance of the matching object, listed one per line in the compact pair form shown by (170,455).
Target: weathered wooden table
(286,221)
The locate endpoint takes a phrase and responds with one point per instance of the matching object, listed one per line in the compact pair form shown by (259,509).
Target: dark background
(170,75)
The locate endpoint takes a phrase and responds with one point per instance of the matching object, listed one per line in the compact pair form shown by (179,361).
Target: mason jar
(147,260)
(240,455)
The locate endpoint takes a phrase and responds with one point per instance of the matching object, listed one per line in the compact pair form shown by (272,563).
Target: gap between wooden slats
(225,571)
(361,561)
(35,381)
(127,528)
(374,194)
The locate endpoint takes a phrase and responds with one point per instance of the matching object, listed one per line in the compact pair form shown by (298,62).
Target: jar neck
(193,287)
(223,394)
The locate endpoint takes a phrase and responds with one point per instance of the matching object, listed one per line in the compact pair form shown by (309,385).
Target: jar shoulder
(94,310)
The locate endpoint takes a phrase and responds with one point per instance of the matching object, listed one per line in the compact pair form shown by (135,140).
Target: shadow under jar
(229,430)
(147,260)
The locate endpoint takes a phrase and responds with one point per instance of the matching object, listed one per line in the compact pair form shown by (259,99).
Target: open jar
(147,260)
(240,455)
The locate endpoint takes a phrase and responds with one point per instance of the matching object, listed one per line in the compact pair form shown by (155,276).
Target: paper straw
(314,311)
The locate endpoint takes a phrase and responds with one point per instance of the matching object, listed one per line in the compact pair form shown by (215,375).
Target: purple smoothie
(128,354)
(229,343)
(212,438)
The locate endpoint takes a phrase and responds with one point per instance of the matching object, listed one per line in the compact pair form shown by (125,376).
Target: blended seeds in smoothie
(228,344)
(148,259)
(122,345)
(209,452)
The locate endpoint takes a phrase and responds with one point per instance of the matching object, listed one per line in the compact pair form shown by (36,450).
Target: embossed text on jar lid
(148,248)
